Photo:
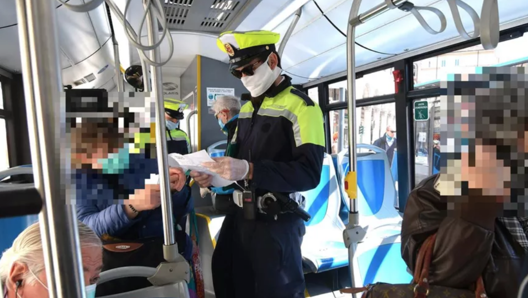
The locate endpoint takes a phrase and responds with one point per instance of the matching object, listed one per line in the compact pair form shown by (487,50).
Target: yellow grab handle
(351,185)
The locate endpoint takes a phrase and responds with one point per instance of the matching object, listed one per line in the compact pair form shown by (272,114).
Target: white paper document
(193,162)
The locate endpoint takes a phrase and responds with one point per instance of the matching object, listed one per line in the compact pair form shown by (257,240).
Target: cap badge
(229,49)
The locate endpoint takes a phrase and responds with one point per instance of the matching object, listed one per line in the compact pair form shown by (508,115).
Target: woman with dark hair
(476,206)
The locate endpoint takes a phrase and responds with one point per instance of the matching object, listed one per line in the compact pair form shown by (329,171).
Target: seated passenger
(22,271)
(105,172)
(479,230)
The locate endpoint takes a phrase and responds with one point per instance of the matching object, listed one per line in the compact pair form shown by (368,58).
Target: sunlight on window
(313,93)
(429,71)
(373,84)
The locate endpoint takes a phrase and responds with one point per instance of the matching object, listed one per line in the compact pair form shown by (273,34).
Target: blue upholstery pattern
(323,248)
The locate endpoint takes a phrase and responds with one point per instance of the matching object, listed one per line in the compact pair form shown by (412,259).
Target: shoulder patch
(309,102)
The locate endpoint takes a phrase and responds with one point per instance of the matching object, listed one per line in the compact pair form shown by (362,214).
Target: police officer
(177,139)
(279,149)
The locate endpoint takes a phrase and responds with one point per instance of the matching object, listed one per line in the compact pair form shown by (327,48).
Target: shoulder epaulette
(309,102)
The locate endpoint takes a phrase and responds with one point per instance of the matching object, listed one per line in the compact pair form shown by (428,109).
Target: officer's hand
(177,179)
(229,168)
(203,180)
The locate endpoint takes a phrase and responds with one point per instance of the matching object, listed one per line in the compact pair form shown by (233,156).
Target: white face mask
(89,290)
(262,80)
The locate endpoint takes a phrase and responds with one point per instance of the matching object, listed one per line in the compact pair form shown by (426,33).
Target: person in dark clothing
(388,142)
(278,148)
(226,109)
(106,172)
(476,205)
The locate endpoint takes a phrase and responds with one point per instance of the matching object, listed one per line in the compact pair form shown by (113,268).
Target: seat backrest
(215,149)
(376,191)
(323,202)
(11,227)
(178,289)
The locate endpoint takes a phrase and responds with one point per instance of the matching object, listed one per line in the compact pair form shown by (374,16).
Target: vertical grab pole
(43,80)
(33,141)
(170,249)
(117,63)
(354,233)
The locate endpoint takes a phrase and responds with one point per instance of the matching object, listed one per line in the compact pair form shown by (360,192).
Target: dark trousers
(259,259)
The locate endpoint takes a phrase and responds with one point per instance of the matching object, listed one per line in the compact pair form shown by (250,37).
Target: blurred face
(391,133)
(169,118)
(92,258)
(223,116)
(488,173)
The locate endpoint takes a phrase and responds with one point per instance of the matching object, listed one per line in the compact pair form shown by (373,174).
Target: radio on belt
(249,203)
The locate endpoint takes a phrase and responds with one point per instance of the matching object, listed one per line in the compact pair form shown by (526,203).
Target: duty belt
(275,203)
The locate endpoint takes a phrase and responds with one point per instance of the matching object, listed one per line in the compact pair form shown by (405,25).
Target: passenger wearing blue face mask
(388,142)
(226,109)
(115,198)
(177,139)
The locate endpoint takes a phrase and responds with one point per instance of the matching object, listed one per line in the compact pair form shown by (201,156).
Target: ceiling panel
(77,34)
(99,18)
(9,49)
(7,17)
(186,46)
(262,14)
(319,50)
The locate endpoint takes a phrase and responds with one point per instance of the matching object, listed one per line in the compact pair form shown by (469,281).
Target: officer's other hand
(203,180)
(146,199)
(177,178)
(229,168)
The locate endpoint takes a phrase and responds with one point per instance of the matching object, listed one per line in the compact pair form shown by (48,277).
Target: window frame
(8,113)
(404,104)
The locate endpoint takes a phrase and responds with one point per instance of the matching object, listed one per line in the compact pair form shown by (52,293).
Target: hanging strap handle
(415,10)
(454,7)
(487,27)
(490,25)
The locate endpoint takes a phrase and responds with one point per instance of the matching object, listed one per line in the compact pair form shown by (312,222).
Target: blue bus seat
(215,149)
(11,227)
(323,248)
(344,208)
(376,205)
(378,256)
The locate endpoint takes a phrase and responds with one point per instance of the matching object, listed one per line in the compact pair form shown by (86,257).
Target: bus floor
(321,285)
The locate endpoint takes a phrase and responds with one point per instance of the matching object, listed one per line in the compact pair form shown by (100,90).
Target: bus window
(370,85)
(313,93)
(4,154)
(429,71)
(427,142)
(371,125)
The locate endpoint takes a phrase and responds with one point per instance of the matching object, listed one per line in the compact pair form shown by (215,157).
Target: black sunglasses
(249,70)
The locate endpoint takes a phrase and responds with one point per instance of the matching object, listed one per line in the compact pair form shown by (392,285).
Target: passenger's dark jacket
(464,248)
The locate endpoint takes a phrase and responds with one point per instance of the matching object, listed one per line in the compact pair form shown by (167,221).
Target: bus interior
(400,55)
